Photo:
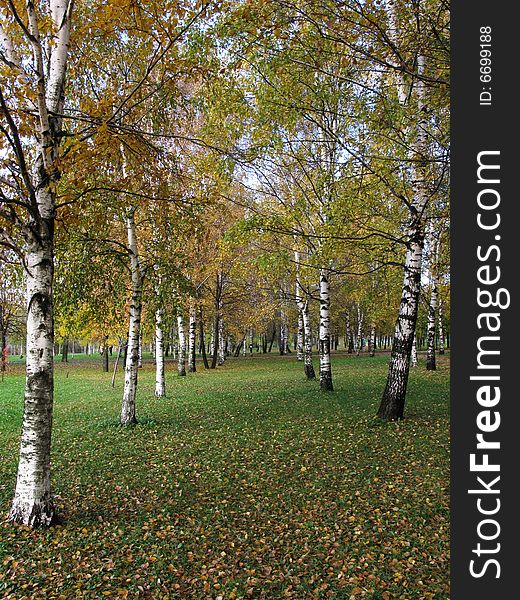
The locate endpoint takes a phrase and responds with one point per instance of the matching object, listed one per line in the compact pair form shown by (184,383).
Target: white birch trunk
(212,342)
(441,329)
(192,339)
(303,313)
(359,335)
(324,336)
(307,341)
(413,355)
(160,384)
(140,355)
(283,332)
(221,340)
(394,395)
(430,336)
(372,340)
(181,363)
(128,411)
(32,503)
(299,338)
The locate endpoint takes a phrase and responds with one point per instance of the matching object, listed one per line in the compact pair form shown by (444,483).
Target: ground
(245,482)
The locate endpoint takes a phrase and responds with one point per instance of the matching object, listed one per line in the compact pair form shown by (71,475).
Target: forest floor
(244,482)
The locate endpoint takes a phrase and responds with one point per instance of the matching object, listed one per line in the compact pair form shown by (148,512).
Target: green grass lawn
(245,482)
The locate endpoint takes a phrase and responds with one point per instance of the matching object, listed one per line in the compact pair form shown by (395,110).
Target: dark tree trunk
(202,342)
(65,350)
(105,355)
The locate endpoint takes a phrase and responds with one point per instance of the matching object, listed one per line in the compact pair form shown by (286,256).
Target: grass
(245,482)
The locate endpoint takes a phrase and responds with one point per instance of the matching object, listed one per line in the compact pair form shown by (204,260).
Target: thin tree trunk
(202,341)
(192,340)
(324,338)
(4,349)
(221,339)
(140,355)
(441,329)
(299,338)
(160,383)
(65,350)
(413,355)
(181,363)
(105,354)
(128,411)
(283,332)
(372,340)
(307,342)
(119,350)
(432,317)
(348,333)
(303,313)
(359,337)
(273,336)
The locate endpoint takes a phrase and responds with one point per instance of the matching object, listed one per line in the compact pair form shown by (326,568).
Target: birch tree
(36,57)
(128,407)
(393,400)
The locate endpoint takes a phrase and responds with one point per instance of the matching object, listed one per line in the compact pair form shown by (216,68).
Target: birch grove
(185,191)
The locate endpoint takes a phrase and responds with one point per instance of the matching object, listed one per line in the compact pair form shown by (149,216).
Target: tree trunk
(117,361)
(392,404)
(105,354)
(202,341)
(394,395)
(128,412)
(192,340)
(348,334)
(221,340)
(65,350)
(181,363)
(441,329)
(140,355)
(359,337)
(299,338)
(307,342)
(283,332)
(4,349)
(432,316)
(372,340)
(273,336)
(160,383)
(324,338)
(32,504)
(413,355)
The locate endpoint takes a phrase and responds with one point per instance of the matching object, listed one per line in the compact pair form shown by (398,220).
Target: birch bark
(440,329)
(192,331)
(413,356)
(303,310)
(299,338)
(128,409)
(32,503)
(394,395)
(181,363)
(372,340)
(160,384)
(324,336)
